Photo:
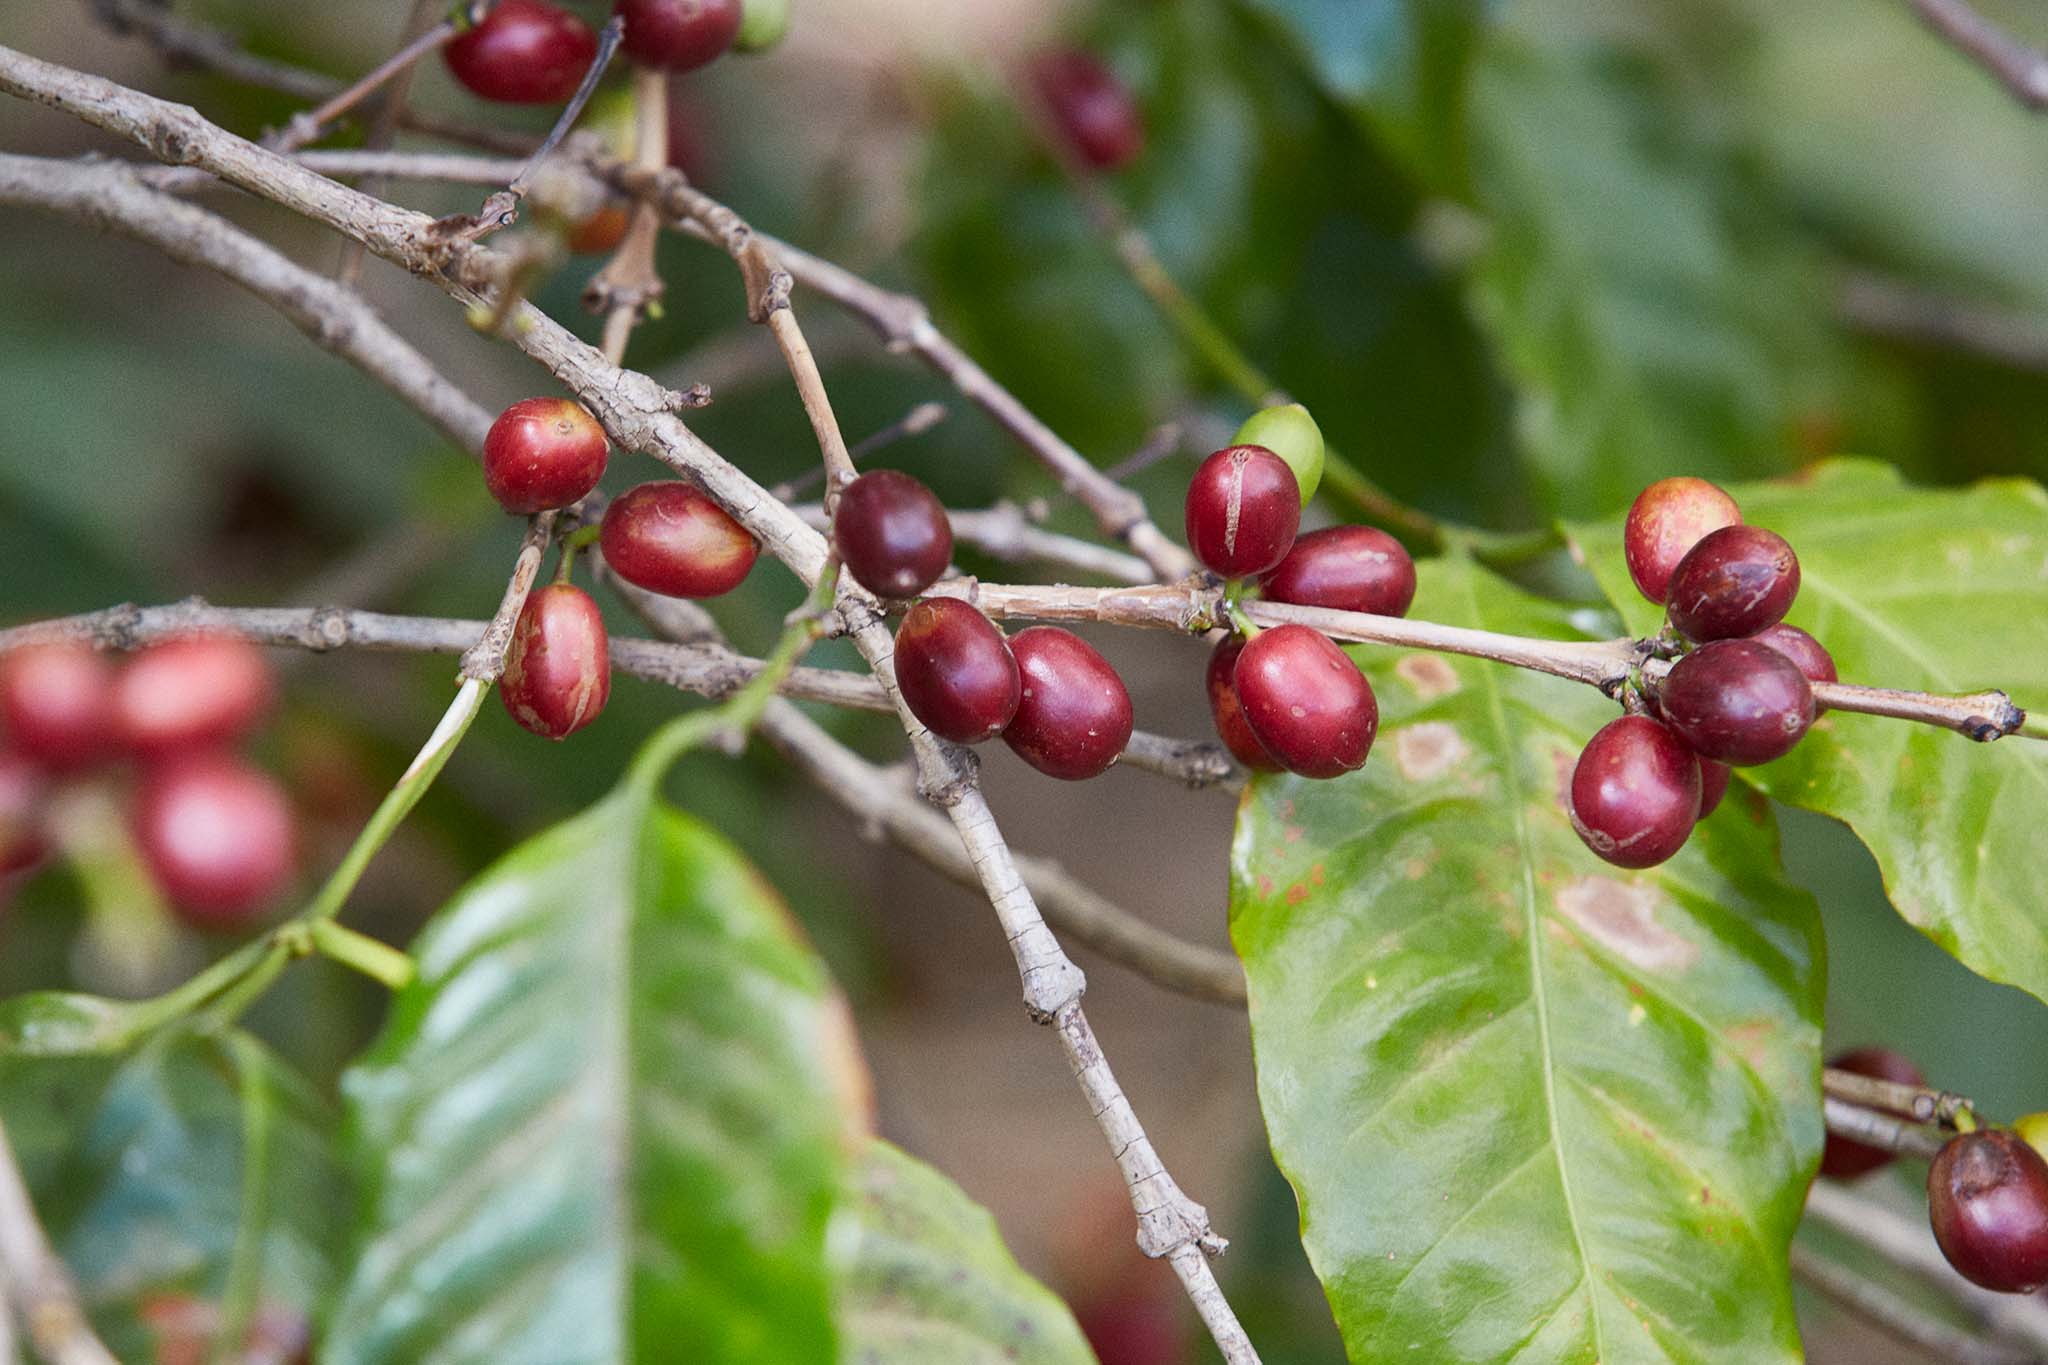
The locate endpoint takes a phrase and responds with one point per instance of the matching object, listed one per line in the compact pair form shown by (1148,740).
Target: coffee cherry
(23,792)
(524,52)
(892,533)
(1987,1198)
(1735,582)
(56,704)
(218,836)
(1667,519)
(1842,1158)
(763,24)
(1090,108)
(2034,1128)
(1737,702)
(1350,568)
(679,35)
(1228,712)
(1243,509)
(558,673)
(1073,716)
(1288,431)
(956,671)
(1306,702)
(1795,644)
(1713,785)
(601,231)
(195,692)
(1635,793)
(672,539)
(543,453)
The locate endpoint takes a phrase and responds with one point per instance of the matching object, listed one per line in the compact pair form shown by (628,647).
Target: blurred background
(1518,258)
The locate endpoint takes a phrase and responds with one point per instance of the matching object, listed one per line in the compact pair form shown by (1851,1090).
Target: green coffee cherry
(2034,1128)
(1289,432)
(762,25)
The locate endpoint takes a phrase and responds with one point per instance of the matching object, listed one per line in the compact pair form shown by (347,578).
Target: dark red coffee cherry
(56,704)
(1987,1198)
(1090,108)
(1810,654)
(1350,568)
(956,671)
(558,673)
(1666,520)
(1243,509)
(197,692)
(543,453)
(1735,582)
(23,792)
(1073,716)
(1228,711)
(1737,702)
(218,836)
(892,533)
(1306,702)
(679,35)
(671,538)
(1845,1159)
(1713,785)
(1635,792)
(524,52)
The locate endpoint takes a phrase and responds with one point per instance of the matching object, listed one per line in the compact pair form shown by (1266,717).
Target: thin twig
(629,285)
(384,128)
(1005,532)
(916,422)
(1917,1102)
(1882,1306)
(1904,312)
(310,125)
(1874,1128)
(484,661)
(2021,69)
(40,1285)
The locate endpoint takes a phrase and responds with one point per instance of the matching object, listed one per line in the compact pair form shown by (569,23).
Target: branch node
(698,395)
(327,629)
(954,787)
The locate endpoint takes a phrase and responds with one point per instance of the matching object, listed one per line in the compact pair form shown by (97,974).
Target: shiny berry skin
(1089,107)
(56,704)
(1842,1158)
(679,35)
(1228,712)
(558,674)
(23,791)
(1289,432)
(601,231)
(524,52)
(1737,702)
(218,836)
(1635,792)
(1074,716)
(543,453)
(956,671)
(1713,785)
(1306,702)
(1350,568)
(1735,582)
(1987,1199)
(1810,654)
(671,538)
(892,533)
(1667,519)
(190,693)
(1243,509)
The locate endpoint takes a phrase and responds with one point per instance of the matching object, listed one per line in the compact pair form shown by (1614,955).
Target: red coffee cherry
(679,35)
(196,692)
(1737,702)
(1306,702)
(1635,793)
(601,231)
(1090,108)
(558,674)
(956,671)
(1228,711)
(1243,508)
(1842,1158)
(1713,785)
(892,533)
(1987,1199)
(1735,582)
(671,538)
(56,703)
(23,792)
(1073,716)
(1810,654)
(524,52)
(1667,519)
(543,453)
(1349,568)
(217,834)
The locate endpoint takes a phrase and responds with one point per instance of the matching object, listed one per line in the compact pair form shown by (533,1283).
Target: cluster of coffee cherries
(1739,694)
(215,832)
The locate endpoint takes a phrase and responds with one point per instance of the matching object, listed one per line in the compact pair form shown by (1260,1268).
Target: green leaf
(1939,590)
(1533,1107)
(603,1123)
(926,1280)
(67,1024)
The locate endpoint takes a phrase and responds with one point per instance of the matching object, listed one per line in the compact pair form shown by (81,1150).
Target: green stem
(374,959)
(243,1293)
(2033,727)
(223,1010)
(182,1000)
(1233,593)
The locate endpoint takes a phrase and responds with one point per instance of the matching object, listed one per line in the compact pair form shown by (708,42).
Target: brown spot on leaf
(1427,751)
(1292,834)
(1315,874)
(1430,676)
(1622,917)
(1296,894)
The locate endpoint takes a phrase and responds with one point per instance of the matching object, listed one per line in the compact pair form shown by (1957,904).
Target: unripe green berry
(1289,432)
(763,24)
(2034,1128)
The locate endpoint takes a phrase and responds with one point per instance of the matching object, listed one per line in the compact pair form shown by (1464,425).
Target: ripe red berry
(1987,1199)
(1713,785)
(1666,520)
(1306,702)
(1090,108)
(1635,792)
(1228,711)
(1735,582)
(56,703)
(671,538)
(1843,1158)
(558,673)
(956,671)
(601,231)
(543,453)
(524,52)
(1073,716)
(23,790)
(1349,568)
(196,692)
(680,35)
(1243,508)
(218,836)
(1737,702)
(1810,654)
(892,533)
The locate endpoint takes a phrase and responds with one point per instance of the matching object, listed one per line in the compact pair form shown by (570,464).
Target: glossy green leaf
(1938,590)
(67,1024)
(1534,1107)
